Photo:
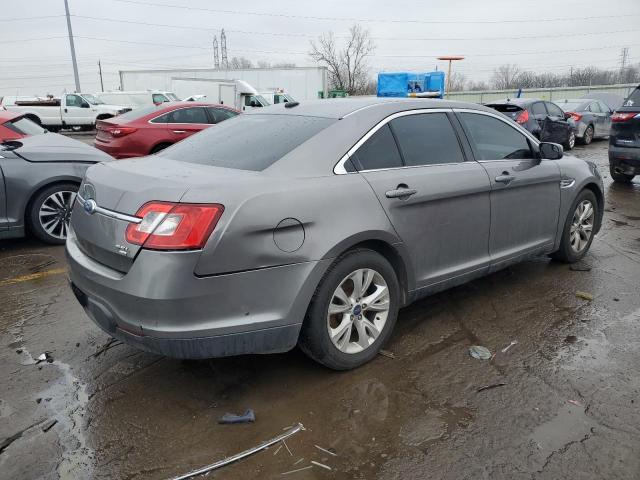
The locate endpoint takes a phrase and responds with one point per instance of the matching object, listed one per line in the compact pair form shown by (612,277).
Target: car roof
(342,107)
(515,101)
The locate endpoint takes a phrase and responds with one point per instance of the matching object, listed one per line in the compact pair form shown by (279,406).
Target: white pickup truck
(71,110)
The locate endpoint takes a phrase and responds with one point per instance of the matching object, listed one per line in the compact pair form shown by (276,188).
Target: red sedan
(14,125)
(148,130)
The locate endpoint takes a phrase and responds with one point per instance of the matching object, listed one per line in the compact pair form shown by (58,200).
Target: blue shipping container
(403,84)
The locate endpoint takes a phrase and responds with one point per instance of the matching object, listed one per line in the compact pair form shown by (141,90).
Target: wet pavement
(569,406)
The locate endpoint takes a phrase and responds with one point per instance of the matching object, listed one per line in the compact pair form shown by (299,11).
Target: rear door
(525,196)
(186,121)
(437,202)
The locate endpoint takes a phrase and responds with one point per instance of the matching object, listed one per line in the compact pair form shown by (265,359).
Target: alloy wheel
(588,135)
(581,226)
(358,311)
(55,213)
(572,140)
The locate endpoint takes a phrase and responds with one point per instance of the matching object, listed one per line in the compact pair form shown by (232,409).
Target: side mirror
(84,105)
(551,151)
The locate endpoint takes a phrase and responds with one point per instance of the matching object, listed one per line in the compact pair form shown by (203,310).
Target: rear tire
(619,177)
(578,232)
(354,333)
(50,211)
(571,141)
(587,138)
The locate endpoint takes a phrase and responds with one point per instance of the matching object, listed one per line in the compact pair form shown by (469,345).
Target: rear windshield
(247,142)
(139,112)
(505,108)
(24,126)
(572,106)
(634,99)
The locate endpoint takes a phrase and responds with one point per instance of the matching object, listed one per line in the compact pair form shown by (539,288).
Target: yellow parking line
(32,276)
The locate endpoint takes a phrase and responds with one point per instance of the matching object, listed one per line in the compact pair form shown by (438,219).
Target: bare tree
(457,82)
(240,62)
(505,76)
(347,67)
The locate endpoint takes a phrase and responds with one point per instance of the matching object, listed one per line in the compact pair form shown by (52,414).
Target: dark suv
(624,139)
(545,120)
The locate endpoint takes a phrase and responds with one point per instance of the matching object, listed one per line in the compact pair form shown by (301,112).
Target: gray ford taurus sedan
(313,223)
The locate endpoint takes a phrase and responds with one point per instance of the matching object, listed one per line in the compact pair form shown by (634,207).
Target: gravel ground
(566,406)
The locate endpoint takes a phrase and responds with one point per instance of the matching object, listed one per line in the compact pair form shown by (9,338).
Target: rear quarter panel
(318,217)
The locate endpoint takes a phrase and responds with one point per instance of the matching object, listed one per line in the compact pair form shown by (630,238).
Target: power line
(33,39)
(307,35)
(20,19)
(371,20)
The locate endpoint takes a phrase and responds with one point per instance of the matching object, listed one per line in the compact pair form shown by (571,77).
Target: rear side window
(595,108)
(494,139)
(538,109)
(24,126)
(427,139)
(189,115)
(379,151)
(247,142)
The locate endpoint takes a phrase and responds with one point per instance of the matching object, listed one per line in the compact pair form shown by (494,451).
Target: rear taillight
(576,116)
(624,116)
(523,117)
(118,132)
(174,226)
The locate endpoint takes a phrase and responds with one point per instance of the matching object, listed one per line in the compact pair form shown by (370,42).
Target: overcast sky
(35,59)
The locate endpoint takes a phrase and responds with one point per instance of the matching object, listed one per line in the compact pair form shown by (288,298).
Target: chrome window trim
(110,213)
(339,168)
(181,108)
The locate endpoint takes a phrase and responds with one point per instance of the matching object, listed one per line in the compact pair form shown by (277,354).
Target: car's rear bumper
(624,156)
(116,151)
(160,306)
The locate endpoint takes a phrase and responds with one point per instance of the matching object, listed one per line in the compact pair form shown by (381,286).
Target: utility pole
(624,58)
(223,48)
(100,70)
(450,58)
(216,53)
(73,48)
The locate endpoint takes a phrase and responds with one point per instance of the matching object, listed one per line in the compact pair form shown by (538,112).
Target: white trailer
(233,93)
(302,83)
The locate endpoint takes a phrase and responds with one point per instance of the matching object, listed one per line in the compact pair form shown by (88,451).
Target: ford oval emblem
(90,206)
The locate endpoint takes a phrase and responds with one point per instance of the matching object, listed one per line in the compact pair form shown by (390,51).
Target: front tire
(579,227)
(50,212)
(353,311)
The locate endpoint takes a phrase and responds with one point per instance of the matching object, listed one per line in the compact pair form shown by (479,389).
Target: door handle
(179,131)
(401,193)
(66,111)
(505,178)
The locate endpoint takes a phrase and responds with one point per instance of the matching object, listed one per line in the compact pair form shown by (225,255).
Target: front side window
(426,139)
(493,139)
(379,151)
(538,109)
(159,98)
(189,115)
(73,101)
(554,110)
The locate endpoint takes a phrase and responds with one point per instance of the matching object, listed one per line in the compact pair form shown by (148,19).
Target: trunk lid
(51,147)
(122,188)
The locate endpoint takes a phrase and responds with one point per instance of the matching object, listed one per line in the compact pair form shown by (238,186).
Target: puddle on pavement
(569,425)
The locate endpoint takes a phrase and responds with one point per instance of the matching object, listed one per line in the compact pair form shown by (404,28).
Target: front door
(76,110)
(556,127)
(525,194)
(437,202)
